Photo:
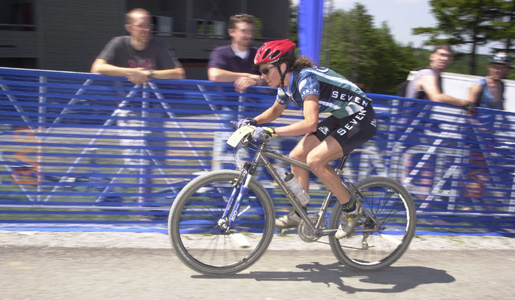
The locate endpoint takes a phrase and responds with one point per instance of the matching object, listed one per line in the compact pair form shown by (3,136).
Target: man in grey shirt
(139,57)
(427,82)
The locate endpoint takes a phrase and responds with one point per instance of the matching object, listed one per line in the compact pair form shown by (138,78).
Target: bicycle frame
(262,157)
(215,242)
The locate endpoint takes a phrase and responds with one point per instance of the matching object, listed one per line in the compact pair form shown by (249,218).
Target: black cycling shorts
(352,131)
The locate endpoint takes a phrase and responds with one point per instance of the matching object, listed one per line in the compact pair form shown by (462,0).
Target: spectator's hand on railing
(470,108)
(242,83)
(138,75)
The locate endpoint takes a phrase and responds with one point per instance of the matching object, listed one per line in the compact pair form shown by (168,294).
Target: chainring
(305,233)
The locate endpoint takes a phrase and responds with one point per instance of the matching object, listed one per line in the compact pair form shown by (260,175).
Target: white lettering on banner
(341,131)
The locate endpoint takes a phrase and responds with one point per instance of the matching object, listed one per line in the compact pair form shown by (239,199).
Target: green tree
(505,26)
(293,34)
(464,22)
(366,55)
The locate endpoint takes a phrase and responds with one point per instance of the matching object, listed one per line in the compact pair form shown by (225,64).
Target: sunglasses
(265,71)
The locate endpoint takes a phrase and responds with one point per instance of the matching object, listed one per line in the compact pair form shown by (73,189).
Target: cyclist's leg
(300,152)
(339,136)
(318,160)
(353,131)
(308,143)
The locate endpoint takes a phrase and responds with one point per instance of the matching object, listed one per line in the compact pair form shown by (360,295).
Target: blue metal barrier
(97,150)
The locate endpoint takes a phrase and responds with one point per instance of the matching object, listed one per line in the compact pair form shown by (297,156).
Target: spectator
(488,92)
(234,62)
(139,57)
(427,84)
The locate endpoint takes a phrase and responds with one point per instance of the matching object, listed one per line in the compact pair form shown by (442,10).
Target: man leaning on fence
(235,62)
(427,85)
(139,57)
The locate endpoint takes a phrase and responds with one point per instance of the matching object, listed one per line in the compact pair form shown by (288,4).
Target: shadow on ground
(389,280)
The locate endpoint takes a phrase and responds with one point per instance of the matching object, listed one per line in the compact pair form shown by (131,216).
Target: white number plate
(239,134)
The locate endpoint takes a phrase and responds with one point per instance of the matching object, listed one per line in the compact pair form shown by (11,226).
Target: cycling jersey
(336,94)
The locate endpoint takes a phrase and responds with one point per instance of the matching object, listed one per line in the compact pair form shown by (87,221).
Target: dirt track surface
(112,265)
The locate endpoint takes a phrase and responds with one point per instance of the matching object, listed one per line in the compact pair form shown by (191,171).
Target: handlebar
(265,137)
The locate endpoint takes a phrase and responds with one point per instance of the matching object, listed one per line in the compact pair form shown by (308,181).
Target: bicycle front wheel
(385,230)
(197,231)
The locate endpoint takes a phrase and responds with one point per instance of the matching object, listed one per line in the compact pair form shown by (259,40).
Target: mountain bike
(223,221)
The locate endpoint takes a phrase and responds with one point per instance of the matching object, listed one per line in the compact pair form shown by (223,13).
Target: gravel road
(279,242)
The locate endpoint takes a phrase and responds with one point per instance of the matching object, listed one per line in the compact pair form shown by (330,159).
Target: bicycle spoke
(203,238)
(384,232)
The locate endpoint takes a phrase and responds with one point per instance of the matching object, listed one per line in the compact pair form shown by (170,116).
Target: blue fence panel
(91,149)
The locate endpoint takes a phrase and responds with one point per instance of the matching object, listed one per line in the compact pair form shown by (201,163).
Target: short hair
(129,15)
(240,18)
(443,46)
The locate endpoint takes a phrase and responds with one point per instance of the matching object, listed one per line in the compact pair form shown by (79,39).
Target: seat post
(342,163)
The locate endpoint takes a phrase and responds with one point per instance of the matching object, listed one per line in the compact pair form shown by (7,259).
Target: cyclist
(352,121)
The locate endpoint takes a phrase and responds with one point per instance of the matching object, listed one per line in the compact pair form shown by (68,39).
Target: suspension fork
(239,192)
(236,191)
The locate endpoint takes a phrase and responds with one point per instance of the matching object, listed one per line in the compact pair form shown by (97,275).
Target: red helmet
(270,52)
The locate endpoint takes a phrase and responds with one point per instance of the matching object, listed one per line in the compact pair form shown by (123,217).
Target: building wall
(69,34)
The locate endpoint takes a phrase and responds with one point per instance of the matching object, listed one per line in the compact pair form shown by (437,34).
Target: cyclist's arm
(310,122)
(272,113)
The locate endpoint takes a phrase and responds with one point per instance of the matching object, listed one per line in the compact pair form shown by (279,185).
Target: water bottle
(296,189)
(241,156)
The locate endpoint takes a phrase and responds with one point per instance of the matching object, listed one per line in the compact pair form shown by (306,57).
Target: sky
(400,15)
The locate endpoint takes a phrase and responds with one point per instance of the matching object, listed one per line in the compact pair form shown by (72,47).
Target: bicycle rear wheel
(195,229)
(385,231)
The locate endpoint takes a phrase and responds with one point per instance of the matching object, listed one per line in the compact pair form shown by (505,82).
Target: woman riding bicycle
(315,90)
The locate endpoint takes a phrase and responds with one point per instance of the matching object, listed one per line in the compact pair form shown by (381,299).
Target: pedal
(286,230)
